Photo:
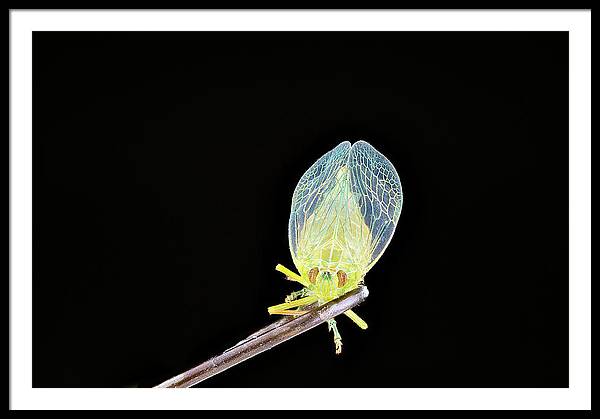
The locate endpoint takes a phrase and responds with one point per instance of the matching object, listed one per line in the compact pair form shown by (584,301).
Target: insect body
(344,213)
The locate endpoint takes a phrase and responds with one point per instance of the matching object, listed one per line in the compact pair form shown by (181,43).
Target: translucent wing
(345,210)
(376,186)
(315,185)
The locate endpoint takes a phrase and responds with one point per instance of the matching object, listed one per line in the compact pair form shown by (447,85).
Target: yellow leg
(290,274)
(296,303)
(297,294)
(289,312)
(356,319)
(337,338)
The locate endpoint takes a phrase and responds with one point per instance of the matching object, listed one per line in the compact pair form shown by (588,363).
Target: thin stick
(267,338)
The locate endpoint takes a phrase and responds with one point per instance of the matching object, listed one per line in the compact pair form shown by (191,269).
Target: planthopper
(344,212)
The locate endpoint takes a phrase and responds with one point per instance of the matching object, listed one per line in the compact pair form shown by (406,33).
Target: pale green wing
(376,187)
(312,192)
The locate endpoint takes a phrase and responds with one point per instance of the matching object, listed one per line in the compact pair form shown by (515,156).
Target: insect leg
(297,294)
(290,274)
(289,312)
(337,338)
(297,303)
(356,319)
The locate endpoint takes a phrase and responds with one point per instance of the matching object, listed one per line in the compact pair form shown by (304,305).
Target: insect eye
(312,275)
(342,278)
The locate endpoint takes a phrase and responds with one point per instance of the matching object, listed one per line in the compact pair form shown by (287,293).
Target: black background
(164,165)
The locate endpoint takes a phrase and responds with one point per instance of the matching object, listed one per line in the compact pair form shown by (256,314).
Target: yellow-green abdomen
(335,243)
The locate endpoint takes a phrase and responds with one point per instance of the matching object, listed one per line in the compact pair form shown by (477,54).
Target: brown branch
(267,338)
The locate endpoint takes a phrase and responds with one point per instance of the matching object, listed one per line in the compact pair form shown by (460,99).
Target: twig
(267,338)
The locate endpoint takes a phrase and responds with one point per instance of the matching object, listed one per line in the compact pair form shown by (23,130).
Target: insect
(344,212)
